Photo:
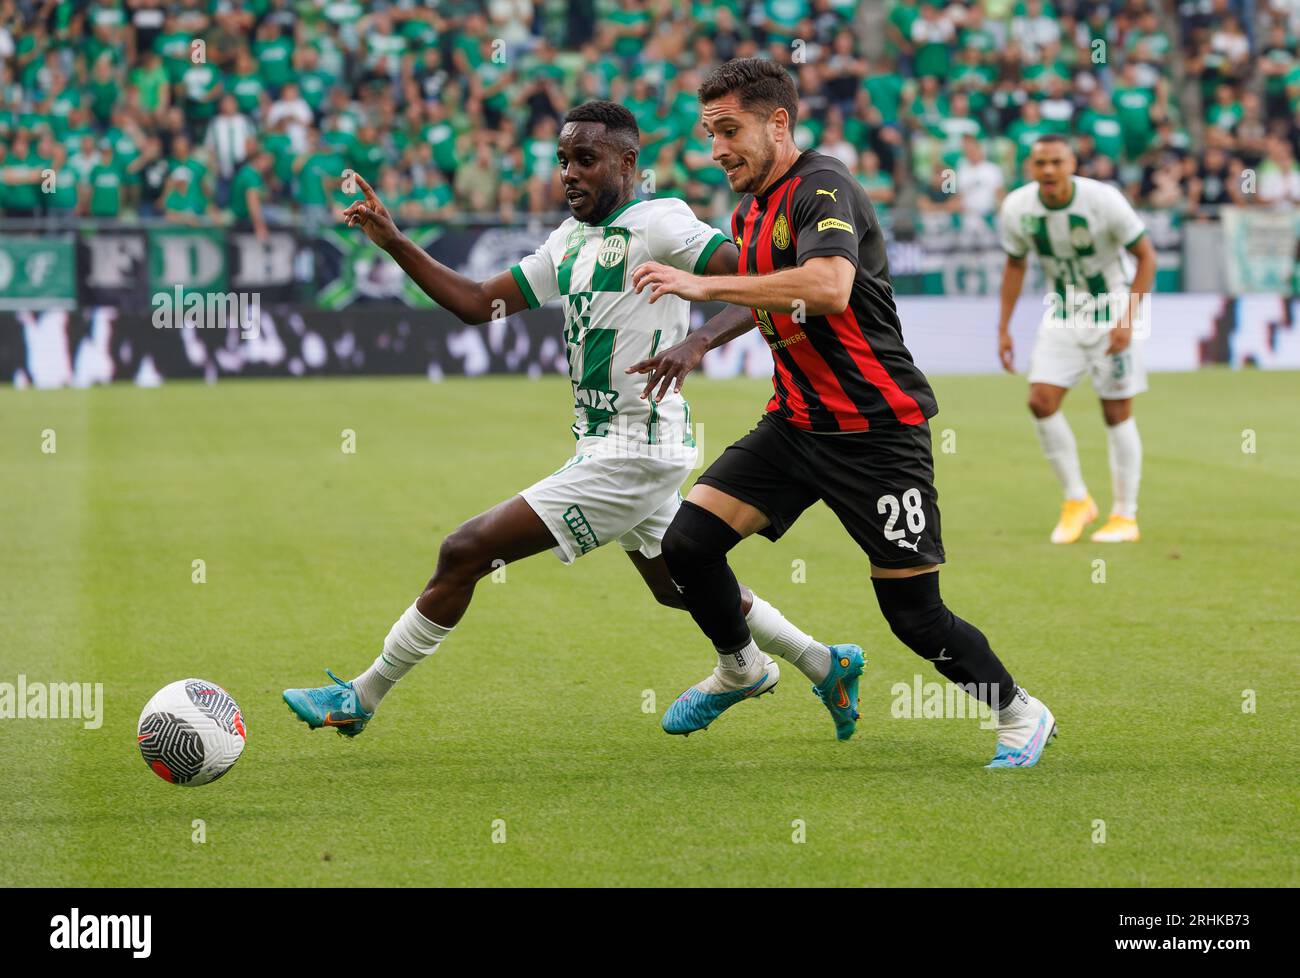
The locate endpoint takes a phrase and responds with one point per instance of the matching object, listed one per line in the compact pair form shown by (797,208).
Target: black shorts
(880,483)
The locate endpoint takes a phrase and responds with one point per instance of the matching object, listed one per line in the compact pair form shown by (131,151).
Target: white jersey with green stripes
(608,327)
(1083,244)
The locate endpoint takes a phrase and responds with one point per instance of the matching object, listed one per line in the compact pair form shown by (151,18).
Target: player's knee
(670,598)
(461,554)
(1041,405)
(1116,412)
(694,537)
(915,612)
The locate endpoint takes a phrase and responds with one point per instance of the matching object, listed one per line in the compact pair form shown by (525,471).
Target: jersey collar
(614,213)
(776,184)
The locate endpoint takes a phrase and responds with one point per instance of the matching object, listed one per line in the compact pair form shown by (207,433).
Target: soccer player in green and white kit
(1085,234)
(633,452)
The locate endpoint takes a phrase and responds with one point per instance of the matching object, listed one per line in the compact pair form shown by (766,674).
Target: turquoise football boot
(1041,727)
(839,690)
(695,709)
(334,706)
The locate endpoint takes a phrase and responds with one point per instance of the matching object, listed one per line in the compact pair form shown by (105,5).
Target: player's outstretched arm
(671,366)
(468,300)
(820,286)
(1013,280)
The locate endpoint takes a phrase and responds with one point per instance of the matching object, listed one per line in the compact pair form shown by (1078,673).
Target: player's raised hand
(664,280)
(670,367)
(1006,352)
(371,215)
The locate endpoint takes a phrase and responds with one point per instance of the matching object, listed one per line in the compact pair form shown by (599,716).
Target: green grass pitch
(532,713)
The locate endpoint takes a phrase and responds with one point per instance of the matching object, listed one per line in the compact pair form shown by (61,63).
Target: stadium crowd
(218,112)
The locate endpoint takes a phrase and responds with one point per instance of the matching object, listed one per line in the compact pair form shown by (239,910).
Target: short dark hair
(1054,137)
(618,120)
(758,83)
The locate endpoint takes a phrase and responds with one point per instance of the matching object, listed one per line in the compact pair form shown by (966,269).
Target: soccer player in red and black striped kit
(846,424)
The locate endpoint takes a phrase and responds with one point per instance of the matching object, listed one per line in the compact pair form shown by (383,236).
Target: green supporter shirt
(1106,132)
(628,46)
(175,51)
(103,96)
(315,86)
(903,16)
(64,197)
(189,198)
(247,90)
(125,152)
(442,137)
(886,91)
(150,83)
(281,150)
(367,157)
(324,163)
(275,61)
(1133,106)
(105,190)
(245,180)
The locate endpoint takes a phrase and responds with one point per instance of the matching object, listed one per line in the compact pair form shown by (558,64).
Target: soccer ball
(191,732)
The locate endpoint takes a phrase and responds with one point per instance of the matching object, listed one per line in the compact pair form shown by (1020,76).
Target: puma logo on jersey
(910,546)
(829,193)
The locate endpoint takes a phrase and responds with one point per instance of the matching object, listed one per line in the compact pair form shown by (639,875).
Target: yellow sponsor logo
(798,337)
(765,322)
(781,233)
(829,193)
(834,223)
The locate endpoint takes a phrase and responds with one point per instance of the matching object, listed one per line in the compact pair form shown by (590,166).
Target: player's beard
(604,204)
(760,168)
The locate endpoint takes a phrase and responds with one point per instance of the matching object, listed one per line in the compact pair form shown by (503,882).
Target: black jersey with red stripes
(847,370)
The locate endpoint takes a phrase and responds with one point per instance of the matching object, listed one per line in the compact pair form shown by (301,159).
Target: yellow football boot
(1118,529)
(1075,515)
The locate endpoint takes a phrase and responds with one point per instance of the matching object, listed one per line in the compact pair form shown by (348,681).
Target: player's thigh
(880,485)
(507,532)
(1058,358)
(1118,376)
(594,499)
(759,484)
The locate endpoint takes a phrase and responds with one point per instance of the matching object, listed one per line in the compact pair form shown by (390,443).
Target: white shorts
(1063,354)
(598,497)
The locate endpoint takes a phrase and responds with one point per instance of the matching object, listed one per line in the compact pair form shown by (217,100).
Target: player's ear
(780,122)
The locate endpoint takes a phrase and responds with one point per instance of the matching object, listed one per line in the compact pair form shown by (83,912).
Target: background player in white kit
(633,453)
(1096,322)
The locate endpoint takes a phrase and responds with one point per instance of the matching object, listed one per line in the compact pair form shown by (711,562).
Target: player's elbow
(830,300)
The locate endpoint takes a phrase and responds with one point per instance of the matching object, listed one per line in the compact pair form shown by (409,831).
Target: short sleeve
(828,216)
(678,238)
(1014,242)
(535,273)
(1124,221)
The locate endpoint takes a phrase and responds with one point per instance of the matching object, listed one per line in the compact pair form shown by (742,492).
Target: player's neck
(626,198)
(785,158)
(1062,199)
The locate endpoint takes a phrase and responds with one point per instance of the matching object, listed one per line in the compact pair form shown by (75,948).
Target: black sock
(917,615)
(695,549)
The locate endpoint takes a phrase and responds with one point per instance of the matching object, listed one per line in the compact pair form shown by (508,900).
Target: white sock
(1125,467)
(741,668)
(1057,439)
(776,636)
(411,640)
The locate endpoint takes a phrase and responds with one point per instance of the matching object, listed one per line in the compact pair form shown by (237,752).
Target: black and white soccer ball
(191,732)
